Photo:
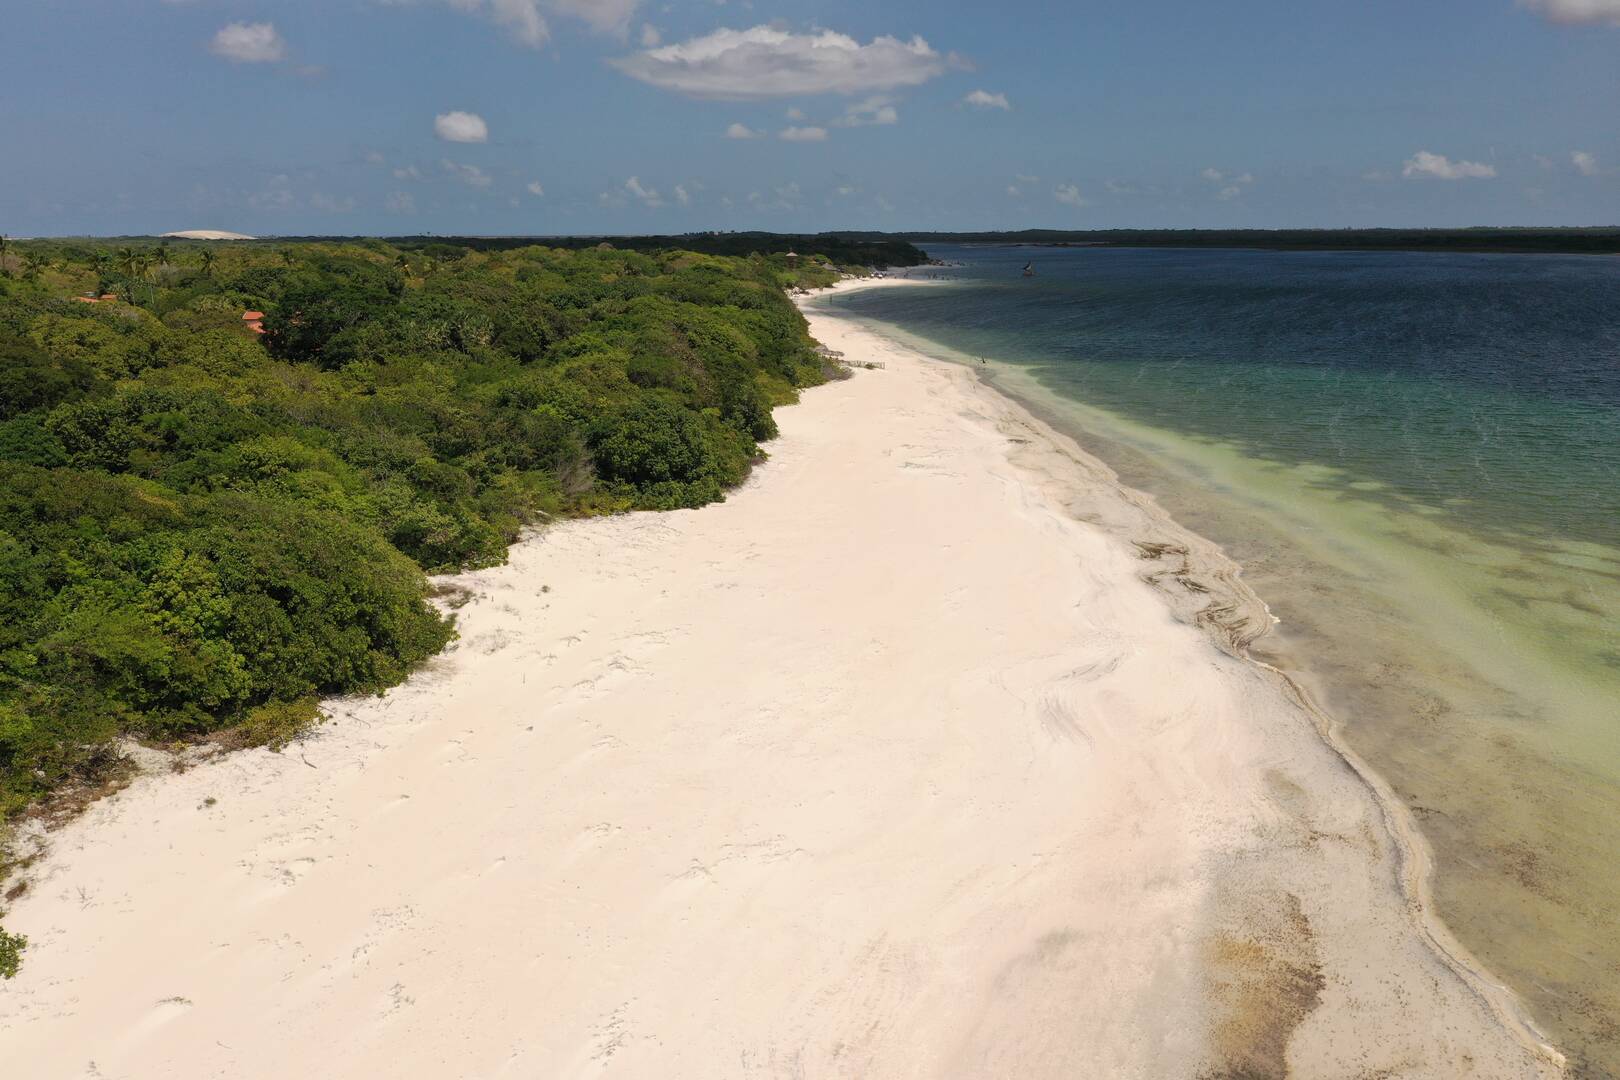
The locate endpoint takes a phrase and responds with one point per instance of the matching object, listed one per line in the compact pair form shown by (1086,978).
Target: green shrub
(11,950)
(205,530)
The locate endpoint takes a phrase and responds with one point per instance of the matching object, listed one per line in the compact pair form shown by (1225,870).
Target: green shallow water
(1440,537)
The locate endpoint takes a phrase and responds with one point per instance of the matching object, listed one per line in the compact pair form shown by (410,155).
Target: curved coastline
(1206,588)
(891,764)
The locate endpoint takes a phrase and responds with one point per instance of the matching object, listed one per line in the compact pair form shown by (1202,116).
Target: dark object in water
(1029,269)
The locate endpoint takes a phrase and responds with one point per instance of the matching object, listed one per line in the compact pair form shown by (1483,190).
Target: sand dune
(893,765)
(207,234)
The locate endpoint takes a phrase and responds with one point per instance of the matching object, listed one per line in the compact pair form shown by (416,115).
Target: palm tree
(5,243)
(32,264)
(129,261)
(163,253)
(103,263)
(207,261)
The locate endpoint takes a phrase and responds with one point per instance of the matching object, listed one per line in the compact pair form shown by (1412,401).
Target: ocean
(1416,460)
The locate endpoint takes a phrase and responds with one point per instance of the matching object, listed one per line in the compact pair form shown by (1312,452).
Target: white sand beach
(893,765)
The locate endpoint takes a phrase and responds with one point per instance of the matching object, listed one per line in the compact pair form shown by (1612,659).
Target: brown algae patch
(1265,978)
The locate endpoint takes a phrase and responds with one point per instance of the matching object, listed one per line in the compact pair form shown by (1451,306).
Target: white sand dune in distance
(894,765)
(207,234)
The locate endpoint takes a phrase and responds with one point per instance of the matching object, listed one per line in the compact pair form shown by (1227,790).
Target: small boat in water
(1029,269)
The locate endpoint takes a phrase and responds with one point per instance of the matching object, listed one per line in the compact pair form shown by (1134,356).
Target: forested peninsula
(227,470)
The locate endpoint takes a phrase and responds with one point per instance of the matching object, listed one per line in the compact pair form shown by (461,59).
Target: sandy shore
(902,762)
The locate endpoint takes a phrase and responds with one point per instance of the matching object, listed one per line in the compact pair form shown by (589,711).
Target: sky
(392,117)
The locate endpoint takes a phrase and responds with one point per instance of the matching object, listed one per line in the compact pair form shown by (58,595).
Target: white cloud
(462,127)
(471,175)
(846,190)
(646,194)
(742,131)
(795,113)
(650,37)
(374,157)
(249,43)
(1015,191)
(873,111)
(1213,175)
(1118,187)
(535,188)
(764,62)
(409,172)
(1231,191)
(1068,194)
(1584,163)
(681,196)
(803,134)
(984,99)
(1439,167)
(1577,11)
(525,20)
(400,202)
(521,18)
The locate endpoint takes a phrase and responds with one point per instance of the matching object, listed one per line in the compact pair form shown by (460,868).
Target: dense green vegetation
(843,250)
(1590,241)
(205,529)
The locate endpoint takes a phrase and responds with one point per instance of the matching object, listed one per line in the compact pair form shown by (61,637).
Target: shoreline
(1214,597)
(872,769)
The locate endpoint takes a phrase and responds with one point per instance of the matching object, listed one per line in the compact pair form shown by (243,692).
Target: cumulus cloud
(1423,164)
(682,196)
(1585,163)
(408,172)
(1015,191)
(764,62)
(742,131)
(1069,195)
(400,202)
(803,134)
(249,43)
(647,195)
(536,189)
(984,99)
(876,110)
(462,127)
(471,175)
(1577,11)
(650,37)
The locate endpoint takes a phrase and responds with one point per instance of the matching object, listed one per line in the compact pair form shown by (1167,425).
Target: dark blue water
(1416,458)
(1486,381)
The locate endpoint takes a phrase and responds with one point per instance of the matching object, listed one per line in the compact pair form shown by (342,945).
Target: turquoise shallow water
(1416,458)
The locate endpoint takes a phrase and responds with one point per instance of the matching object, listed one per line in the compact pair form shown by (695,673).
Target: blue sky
(618,116)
